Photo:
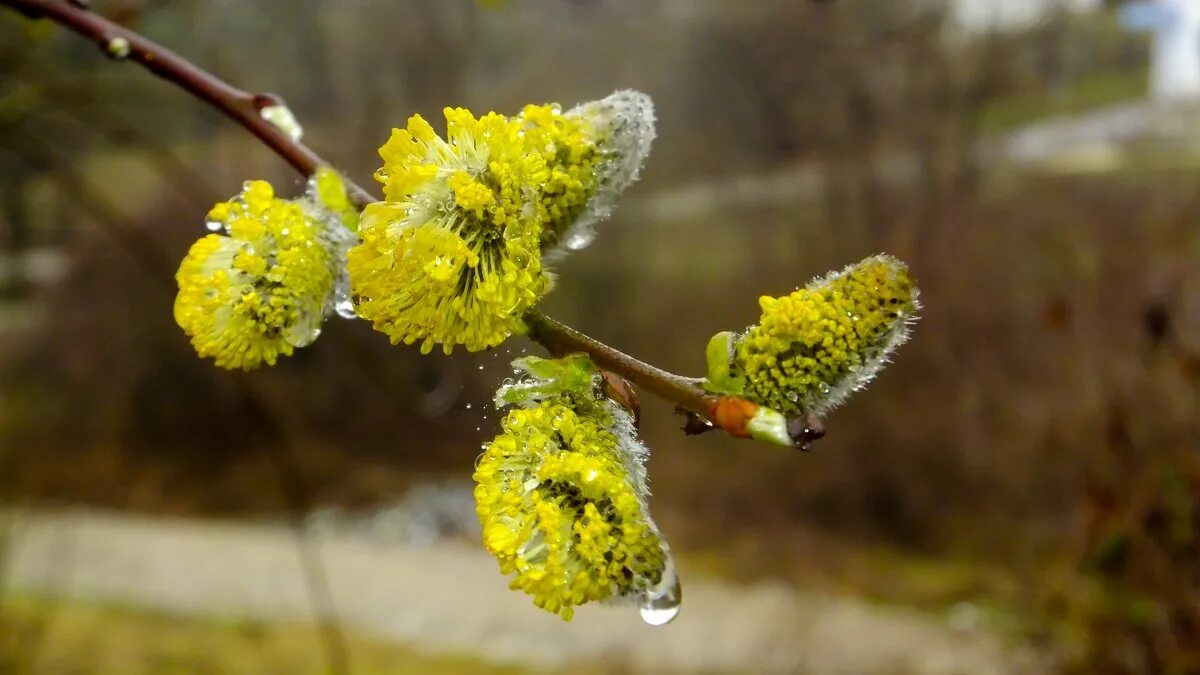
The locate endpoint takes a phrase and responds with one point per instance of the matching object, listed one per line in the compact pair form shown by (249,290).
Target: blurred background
(1018,493)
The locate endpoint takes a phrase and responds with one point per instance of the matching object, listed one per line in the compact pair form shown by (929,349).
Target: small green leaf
(548,377)
(718,355)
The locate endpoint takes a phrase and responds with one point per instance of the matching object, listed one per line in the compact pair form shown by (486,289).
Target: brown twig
(559,338)
(729,413)
(243,107)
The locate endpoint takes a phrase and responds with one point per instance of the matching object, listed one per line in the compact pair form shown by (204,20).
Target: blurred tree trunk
(17,235)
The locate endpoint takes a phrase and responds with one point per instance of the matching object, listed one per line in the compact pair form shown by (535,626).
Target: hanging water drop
(214,225)
(344,307)
(579,238)
(661,603)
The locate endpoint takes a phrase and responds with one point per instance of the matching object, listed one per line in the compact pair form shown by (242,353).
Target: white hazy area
(986,15)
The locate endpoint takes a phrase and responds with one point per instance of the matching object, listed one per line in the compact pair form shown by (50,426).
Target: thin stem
(561,339)
(726,412)
(733,415)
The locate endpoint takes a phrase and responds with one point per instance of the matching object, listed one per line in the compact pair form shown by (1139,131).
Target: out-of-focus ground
(444,598)
(83,637)
(1023,480)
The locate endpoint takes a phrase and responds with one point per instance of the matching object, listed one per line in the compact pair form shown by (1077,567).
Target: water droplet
(661,604)
(579,238)
(214,225)
(345,308)
(468,406)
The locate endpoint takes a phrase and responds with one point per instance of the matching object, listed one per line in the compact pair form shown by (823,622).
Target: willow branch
(731,414)
(725,412)
(559,338)
(243,107)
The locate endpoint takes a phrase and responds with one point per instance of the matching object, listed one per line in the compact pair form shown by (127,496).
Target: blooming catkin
(451,257)
(261,284)
(814,347)
(454,253)
(593,151)
(561,494)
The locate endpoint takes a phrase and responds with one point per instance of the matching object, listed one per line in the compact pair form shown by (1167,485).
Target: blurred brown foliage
(1042,421)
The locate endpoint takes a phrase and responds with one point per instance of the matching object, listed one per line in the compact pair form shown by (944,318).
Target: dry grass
(42,636)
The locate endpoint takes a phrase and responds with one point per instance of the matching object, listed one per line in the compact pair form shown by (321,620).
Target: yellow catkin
(452,256)
(260,289)
(562,512)
(813,347)
(454,253)
(571,149)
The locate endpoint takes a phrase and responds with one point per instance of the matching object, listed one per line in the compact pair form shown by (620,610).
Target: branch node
(618,389)
(266,100)
(116,47)
(693,424)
